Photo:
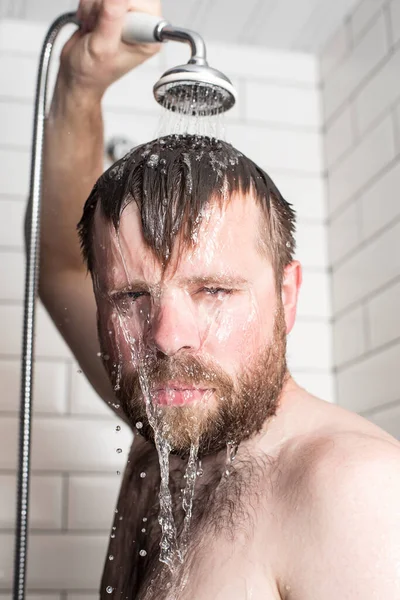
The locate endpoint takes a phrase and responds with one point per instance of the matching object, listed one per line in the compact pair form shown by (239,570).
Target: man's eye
(131,295)
(216,291)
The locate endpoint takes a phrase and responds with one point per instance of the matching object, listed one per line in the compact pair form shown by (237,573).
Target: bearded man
(240,484)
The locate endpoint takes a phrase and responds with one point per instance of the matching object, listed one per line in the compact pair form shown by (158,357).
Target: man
(190,247)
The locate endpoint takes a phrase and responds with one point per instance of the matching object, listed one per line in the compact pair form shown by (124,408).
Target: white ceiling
(285,24)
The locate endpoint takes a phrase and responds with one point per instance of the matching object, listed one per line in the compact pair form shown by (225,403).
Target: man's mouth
(178,394)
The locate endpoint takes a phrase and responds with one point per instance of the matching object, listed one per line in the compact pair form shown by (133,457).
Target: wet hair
(172,179)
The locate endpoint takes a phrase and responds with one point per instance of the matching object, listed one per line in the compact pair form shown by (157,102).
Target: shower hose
(31,282)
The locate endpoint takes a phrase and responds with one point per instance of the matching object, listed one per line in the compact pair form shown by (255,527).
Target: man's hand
(94,57)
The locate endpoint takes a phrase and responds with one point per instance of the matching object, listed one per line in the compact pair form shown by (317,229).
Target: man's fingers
(106,36)
(84,9)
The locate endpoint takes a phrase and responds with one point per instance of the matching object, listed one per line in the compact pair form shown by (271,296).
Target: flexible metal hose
(31,280)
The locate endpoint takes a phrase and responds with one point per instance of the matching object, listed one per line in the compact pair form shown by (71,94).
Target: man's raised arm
(91,60)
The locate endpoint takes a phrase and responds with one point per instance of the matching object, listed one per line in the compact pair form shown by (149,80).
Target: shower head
(193,88)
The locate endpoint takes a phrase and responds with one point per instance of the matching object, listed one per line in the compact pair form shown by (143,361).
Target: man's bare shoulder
(347,498)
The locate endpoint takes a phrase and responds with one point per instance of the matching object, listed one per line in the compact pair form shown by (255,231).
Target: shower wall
(360,71)
(74,460)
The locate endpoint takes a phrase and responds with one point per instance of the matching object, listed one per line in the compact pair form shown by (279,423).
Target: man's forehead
(225,241)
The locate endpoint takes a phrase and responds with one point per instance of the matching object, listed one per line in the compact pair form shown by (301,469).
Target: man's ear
(292,279)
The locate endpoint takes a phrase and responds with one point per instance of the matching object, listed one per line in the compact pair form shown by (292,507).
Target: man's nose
(173,326)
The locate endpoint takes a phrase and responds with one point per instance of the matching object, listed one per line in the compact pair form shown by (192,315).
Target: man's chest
(232,544)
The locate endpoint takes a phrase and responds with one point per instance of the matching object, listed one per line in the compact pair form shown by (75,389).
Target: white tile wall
(369,157)
(336,49)
(370,268)
(379,94)
(349,337)
(379,204)
(11,222)
(278,104)
(366,55)
(364,13)
(45,511)
(51,381)
(382,309)
(345,232)
(370,383)
(394,9)
(74,484)
(339,137)
(360,96)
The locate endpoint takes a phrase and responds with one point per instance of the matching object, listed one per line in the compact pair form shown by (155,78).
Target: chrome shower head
(194,88)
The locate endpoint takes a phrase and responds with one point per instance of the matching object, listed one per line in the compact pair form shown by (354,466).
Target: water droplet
(144,519)
(142,552)
(112,535)
(139,425)
(120,518)
(111,557)
(143,530)
(119,450)
(143,474)
(118,472)
(109,589)
(288,244)
(79,371)
(118,428)
(99,354)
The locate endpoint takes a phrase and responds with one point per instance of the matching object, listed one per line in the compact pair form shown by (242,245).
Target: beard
(233,410)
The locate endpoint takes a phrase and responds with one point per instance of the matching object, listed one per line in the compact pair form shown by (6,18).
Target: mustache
(153,371)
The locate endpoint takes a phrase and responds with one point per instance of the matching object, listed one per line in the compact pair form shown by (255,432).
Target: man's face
(196,351)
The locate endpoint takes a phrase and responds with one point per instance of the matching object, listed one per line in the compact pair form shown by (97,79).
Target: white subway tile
(252,61)
(349,339)
(394,8)
(369,51)
(11,337)
(20,36)
(371,382)
(363,15)
(315,295)
(311,242)
(388,419)
(92,500)
(8,443)
(11,222)
(84,400)
(339,137)
(344,232)
(379,94)
(133,91)
(61,561)
(321,385)
(384,324)
(16,123)
(334,51)
(41,596)
(12,275)
(137,128)
(82,597)
(24,85)
(309,346)
(50,386)
(14,171)
(306,193)
(278,149)
(68,444)
(72,444)
(282,104)
(373,153)
(379,203)
(369,269)
(44,501)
